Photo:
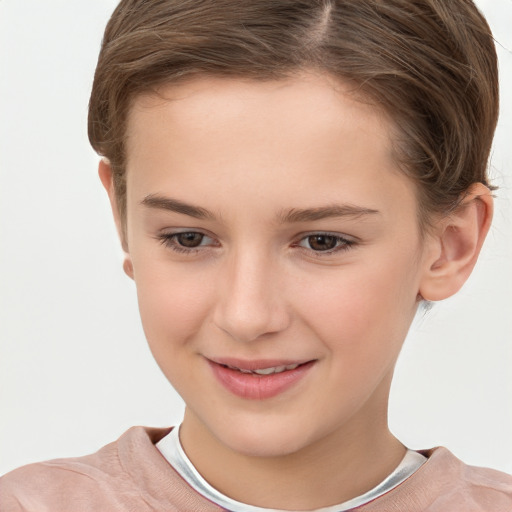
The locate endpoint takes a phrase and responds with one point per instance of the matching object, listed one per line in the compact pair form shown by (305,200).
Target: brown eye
(322,242)
(189,239)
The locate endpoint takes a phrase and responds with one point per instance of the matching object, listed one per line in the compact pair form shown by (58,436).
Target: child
(291,180)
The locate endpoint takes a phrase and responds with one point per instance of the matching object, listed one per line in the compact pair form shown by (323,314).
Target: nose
(251,301)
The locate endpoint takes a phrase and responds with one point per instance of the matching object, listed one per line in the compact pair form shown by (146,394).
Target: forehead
(309,105)
(304,135)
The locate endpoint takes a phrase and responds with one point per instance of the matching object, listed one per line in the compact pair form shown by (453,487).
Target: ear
(456,245)
(106,177)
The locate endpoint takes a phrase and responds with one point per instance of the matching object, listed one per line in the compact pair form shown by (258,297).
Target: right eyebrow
(168,203)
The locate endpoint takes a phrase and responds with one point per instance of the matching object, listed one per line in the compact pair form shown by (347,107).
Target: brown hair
(430,64)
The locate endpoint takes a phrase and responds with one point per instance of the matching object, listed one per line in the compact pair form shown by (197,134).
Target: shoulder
(446,484)
(128,474)
(45,485)
(70,482)
(481,487)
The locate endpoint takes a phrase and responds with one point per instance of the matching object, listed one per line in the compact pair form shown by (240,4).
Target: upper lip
(256,364)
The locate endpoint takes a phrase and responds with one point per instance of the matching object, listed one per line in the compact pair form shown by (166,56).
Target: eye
(186,241)
(325,243)
(189,239)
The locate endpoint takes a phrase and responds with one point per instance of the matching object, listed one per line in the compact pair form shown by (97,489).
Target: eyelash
(342,244)
(169,241)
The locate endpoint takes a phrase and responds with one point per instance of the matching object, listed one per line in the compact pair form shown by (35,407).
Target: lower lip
(258,387)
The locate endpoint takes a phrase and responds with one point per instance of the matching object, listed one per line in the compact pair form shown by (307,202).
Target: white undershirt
(170,447)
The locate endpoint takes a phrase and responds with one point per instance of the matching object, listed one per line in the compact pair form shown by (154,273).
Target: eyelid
(167,238)
(342,236)
(348,242)
(169,232)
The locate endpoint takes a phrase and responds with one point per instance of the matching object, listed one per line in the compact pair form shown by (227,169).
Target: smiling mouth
(265,371)
(259,380)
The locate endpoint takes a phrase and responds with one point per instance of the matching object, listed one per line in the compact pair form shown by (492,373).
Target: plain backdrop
(75,370)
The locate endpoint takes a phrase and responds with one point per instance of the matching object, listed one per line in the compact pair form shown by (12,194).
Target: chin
(264,437)
(268,446)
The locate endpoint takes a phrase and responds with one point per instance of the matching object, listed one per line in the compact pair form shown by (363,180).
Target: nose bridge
(251,301)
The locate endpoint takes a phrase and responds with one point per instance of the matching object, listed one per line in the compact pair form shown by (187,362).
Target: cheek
(173,307)
(361,309)
(173,304)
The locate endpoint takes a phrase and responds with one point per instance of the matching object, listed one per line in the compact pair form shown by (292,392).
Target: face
(277,256)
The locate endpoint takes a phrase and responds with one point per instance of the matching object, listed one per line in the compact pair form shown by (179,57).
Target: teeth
(266,371)
(275,369)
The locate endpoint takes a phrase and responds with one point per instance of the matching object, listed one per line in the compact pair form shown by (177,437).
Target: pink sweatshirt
(131,475)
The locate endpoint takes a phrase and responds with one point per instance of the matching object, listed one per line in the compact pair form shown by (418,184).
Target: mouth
(259,380)
(265,371)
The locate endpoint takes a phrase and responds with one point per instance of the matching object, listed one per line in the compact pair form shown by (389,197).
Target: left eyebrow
(324,212)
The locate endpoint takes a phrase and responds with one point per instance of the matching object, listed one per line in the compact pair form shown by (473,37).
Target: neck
(338,467)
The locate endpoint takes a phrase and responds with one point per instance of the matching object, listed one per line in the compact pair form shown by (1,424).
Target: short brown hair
(430,64)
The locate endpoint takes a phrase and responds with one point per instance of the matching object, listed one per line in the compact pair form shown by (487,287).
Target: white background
(75,371)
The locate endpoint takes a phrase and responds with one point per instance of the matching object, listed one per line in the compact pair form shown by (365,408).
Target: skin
(260,286)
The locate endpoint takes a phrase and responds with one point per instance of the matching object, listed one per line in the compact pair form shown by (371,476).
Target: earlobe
(457,244)
(128,266)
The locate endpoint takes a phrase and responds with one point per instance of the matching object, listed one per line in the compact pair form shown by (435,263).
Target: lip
(258,387)
(256,364)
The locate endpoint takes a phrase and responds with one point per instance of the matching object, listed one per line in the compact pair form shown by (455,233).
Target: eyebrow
(173,205)
(293,215)
(325,212)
